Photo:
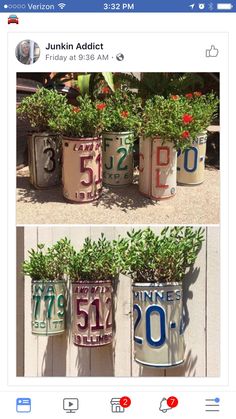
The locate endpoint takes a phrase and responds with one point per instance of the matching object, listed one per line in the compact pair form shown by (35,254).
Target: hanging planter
(44,144)
(158,339)
(82,172)
(47,268)
(157,265)
(44,155)
(157,168)
(92,313)
(48,307)
(92,271)
(117,158)
(120,120)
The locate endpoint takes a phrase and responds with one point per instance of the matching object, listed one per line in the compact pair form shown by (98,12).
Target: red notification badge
(172,402)
(125,402)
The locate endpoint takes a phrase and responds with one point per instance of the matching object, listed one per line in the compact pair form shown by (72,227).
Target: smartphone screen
(117,210)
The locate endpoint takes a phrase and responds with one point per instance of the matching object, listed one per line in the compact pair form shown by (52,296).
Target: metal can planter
(157,168)
(48,307)
(158,337)
(118,164)
(44,155)
(92,313)
(191,162)
(82,169)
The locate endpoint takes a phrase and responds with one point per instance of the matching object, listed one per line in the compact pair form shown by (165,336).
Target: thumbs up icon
(212,52)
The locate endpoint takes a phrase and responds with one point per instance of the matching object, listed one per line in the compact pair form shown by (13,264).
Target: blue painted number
(154,309)
(187,154)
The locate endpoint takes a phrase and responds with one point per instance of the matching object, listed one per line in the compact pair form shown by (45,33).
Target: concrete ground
(191,205)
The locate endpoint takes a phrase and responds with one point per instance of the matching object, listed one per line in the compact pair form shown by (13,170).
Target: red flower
(189,95)
(197,94)
(75,109)
(185,134)
(186,118)
(100,106)
(125,114)
(106,90)
(175,97)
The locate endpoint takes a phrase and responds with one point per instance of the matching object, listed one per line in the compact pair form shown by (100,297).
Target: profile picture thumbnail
(27,52)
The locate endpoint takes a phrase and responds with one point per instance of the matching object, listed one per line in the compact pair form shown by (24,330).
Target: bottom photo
(121,301)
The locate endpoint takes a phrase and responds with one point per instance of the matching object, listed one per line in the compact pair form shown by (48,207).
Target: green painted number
(50,299)
(37,299)
(124,152)
(60,304)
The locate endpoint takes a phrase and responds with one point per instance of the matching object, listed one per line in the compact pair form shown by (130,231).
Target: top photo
(118,148)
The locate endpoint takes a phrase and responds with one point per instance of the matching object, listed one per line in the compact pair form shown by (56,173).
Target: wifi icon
(61,5)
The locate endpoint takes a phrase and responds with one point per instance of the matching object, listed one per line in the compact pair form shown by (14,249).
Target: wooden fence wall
(57,356)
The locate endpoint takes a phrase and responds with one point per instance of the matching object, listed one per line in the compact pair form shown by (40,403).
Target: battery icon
(224,6)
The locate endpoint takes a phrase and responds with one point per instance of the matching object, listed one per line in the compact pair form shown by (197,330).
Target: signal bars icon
(61,5)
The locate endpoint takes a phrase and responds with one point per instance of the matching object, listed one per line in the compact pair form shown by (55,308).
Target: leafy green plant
(97,260)
(162,84)
(122,112)
(204,109)
(178,119)
(41,107)
(82,121)
(93,83)
(49,264)
(161,258)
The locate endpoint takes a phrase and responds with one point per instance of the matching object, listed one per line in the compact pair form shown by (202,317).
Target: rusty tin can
(48,307)
(158,334)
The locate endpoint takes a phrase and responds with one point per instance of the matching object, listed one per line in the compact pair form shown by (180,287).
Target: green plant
(122,112)
(161,258)
(84,120)
(178,119)
(97,260)
(162,84)
(204,109)
(41,107)
(49,264)
(93,83)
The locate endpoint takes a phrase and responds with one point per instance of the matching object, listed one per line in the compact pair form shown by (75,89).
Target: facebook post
(117,214)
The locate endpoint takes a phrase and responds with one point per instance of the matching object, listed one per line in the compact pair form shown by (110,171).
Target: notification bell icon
(164,406)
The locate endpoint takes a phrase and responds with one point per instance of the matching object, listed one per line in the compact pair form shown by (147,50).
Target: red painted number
(98,161)
(84,322)
(89,170)
(97,326)
(109,314)
(82,313)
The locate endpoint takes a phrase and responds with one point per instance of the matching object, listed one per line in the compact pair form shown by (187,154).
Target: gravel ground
(191,205)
